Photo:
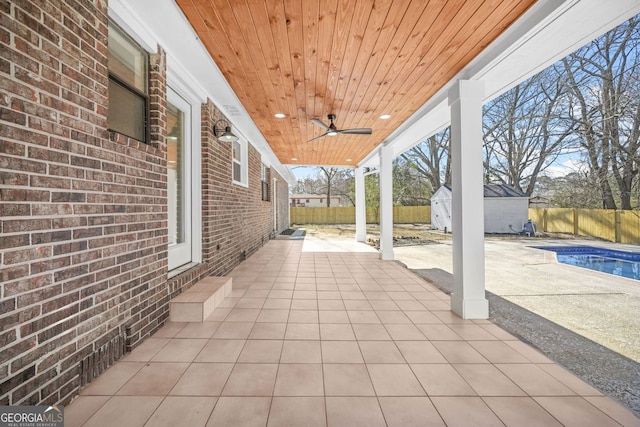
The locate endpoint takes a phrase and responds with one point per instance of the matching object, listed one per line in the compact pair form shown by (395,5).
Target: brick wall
(83,217)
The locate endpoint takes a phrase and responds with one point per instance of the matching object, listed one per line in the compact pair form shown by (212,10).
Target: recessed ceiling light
(349,160)
(280,115)
(385,116)
(294,159)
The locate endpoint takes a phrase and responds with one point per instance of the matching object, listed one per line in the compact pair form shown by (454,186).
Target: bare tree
(605,90)
(431,159)
(523,131)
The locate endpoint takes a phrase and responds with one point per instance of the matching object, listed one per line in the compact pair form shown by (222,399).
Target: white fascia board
(163,23)
(547,32)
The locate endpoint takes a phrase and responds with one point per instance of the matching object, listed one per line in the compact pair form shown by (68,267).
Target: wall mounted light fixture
(225,129)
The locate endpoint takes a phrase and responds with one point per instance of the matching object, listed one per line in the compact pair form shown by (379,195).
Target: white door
(179,180)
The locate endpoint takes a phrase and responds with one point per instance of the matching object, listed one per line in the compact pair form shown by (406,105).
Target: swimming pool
(618,263)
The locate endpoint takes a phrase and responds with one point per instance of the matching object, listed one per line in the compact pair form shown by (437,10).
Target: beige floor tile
(260,291)
(371,332)
(534,381)
(410,412)
(228,303)
(498,352)
(520,411)
(613,409)
(220,351)
(180,350)
(281,293)
(243,315)
(304,304)
(268,331)
(529,352)
(421,317)
(363,316)
(327,287)
(498,332)
(357,305)
(441,380)
(405,332)
(487,380)
(145,351)
(354,412)
(250,303)
(459,352)
(465,411)
(408,305)
(130,411)
(251,380)
(347,380)
(218,315)
(277,304)
(310,295)
(570,380)
(380,352)
(297,411)
(329,295)
(470,332)
(382,305)
(330,304)
(341,352)
(303,316)
(420,352)
(182,411)
(394,380)
(333,331)
(574,411)
(334,316)
(438,332)
(240,412)
(273,316)
(198,330)
(109,382)
(82,408)
(393,317)
(301,352)
(203,379)
(299,379)
(351,295)
(261,351)
(169,330)
(302,331)
(233,330)
(154,379)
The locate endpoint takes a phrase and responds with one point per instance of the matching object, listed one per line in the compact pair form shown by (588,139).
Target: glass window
(265,182)
(240,162)
(128,105)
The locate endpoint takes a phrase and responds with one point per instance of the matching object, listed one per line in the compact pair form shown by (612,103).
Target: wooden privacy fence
(613,225)
(347,215)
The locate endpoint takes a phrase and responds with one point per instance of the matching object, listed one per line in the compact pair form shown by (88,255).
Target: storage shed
(505,209)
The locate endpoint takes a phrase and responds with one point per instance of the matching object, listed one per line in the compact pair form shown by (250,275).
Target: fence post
(618,221)
(544,220)
(575,222)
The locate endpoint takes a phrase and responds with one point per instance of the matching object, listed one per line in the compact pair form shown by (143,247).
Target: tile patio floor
(337,339)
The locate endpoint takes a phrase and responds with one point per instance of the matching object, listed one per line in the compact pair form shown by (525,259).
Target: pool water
(618,263)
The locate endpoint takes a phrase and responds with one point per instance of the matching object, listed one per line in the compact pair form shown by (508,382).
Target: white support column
(361,207)
(468,297)
(386,203)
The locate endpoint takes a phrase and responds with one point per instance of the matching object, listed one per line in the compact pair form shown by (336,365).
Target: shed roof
(498,190)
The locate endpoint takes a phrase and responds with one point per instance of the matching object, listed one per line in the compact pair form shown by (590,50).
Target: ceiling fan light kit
(332,130)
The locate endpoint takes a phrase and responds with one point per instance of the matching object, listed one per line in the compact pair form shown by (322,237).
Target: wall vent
(98,361)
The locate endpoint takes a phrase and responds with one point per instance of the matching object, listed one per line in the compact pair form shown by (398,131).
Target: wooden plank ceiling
(357,59)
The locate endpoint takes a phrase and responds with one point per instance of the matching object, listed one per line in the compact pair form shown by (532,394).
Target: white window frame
(243,162)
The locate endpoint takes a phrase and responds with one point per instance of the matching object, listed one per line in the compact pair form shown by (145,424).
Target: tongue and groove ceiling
(357,59)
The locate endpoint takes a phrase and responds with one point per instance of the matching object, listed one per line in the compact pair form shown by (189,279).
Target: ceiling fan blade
(318,122)
(357,131)
(317,137)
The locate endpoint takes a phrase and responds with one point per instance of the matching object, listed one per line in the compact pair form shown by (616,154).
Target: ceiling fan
(331,129)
